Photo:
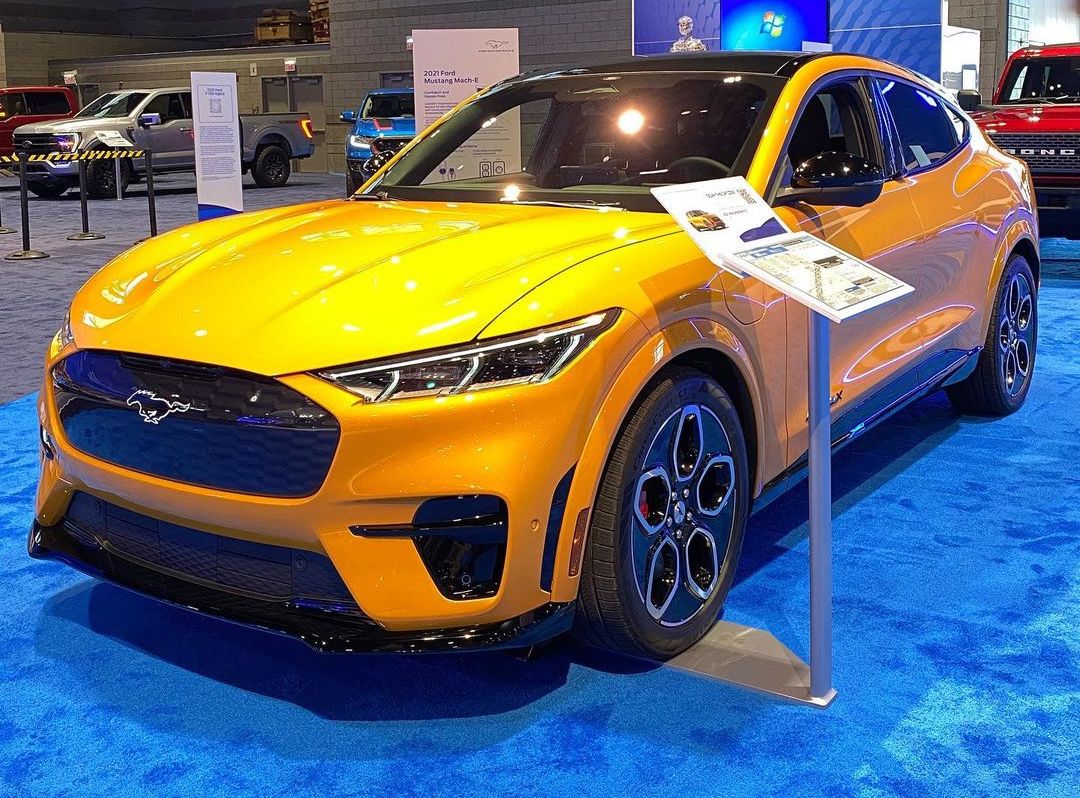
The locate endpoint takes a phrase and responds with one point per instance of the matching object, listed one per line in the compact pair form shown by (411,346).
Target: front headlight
(359,142)
(67,142)
(64,336)
(528,357)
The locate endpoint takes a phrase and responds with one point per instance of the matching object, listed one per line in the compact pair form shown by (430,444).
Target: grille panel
(36,143)
(1045,153)
(261,571)
(196,424)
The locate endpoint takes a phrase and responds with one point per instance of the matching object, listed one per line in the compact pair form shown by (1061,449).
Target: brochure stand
(740,233)
(754,658)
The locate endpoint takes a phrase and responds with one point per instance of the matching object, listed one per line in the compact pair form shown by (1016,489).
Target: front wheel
(101,178)
(669,521)
(271,168)
(1001,380)
(45,190)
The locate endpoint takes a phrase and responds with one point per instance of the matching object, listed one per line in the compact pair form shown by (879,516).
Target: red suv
(1036,116)
(24,105)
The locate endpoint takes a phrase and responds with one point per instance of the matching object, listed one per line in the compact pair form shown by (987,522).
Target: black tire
(617,602)
(101,178)
(49,191)
(272,167)
(1002,378)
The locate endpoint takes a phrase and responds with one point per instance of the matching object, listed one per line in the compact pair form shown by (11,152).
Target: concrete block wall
(27,54)
(990,18)
(150,71)
(368,38)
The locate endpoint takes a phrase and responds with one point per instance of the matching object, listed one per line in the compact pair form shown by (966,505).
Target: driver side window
(834,120)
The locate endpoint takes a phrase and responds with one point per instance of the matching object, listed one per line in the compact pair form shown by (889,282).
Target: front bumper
(320,627)
(517,444)
(1059,211)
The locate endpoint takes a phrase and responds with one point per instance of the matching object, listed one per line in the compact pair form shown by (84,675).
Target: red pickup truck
(1036,116)
(24,105)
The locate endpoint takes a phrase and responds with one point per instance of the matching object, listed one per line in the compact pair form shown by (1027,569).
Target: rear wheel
(1001,380)
(271,168)
(669,521)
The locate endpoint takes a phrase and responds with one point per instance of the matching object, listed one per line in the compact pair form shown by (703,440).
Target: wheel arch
(720,354)
(270,139)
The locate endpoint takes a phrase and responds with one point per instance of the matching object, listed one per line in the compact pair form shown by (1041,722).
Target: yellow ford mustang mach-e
(489,399)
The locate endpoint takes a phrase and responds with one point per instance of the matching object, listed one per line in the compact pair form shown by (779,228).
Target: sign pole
(820,483)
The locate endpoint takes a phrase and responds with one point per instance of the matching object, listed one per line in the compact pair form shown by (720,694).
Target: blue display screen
(772,24)
(656,25)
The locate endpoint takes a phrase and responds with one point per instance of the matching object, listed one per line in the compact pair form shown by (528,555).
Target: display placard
(722,216)
(822,277)
(218,172)
(113,138)
(450,66)
(738,231)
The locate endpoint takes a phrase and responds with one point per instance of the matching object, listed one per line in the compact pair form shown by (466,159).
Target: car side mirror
(835,178)
(969,100)
(348,116)
(149,120)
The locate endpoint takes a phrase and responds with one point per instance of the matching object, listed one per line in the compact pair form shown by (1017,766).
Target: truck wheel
(47,190)
(101,178)
(271,168)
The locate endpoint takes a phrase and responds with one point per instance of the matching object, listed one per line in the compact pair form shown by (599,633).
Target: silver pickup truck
(158,120)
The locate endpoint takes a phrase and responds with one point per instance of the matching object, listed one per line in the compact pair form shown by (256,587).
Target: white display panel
(450,66)
(218,172)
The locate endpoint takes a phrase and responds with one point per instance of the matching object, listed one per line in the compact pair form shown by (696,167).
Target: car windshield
(588,139)
(112,105)
(1043,80)
(387,106)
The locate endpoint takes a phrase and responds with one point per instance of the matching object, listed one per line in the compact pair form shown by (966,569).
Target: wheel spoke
(716,485)
(1023,357)
(701,563)
(661,576)
(652,499)
(689,440)
(1013,306)
(1004,330)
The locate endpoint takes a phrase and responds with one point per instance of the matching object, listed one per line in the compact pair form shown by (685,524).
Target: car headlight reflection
(529,357)
(67,142)
(64,336)
(360,142)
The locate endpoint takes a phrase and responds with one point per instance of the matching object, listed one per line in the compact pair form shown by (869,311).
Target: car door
(933,141)
(170,141)
(12,115)
(873,355)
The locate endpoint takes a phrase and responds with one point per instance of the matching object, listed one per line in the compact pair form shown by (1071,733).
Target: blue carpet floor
(957,546)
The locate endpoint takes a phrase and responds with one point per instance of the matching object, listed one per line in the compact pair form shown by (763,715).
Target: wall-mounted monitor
(772,24)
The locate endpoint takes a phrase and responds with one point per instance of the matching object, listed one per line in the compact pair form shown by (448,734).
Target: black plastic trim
(554,525)
(320,628)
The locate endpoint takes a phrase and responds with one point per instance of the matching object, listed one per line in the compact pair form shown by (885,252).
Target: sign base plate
(751,658)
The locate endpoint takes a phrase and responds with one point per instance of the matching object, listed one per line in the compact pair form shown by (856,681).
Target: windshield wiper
(590,204)
(379,196)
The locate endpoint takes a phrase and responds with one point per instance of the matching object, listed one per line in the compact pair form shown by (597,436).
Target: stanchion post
(85,235)
(25,253)
(820,484)
(151,202)
(119,181)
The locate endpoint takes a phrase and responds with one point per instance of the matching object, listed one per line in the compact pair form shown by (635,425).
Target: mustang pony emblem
(154,408)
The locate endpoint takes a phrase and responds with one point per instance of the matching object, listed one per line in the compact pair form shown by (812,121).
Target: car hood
(1045,118)
(318,285)
(71,125)
(395,127)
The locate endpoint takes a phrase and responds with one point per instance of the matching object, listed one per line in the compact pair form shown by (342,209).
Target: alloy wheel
(1016,334)
(684,511)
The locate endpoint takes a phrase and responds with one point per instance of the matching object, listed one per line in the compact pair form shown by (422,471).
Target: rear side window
(48,102)
(929,131)
(12,104)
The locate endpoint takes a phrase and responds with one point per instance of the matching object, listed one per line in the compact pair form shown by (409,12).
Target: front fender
(659,349)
